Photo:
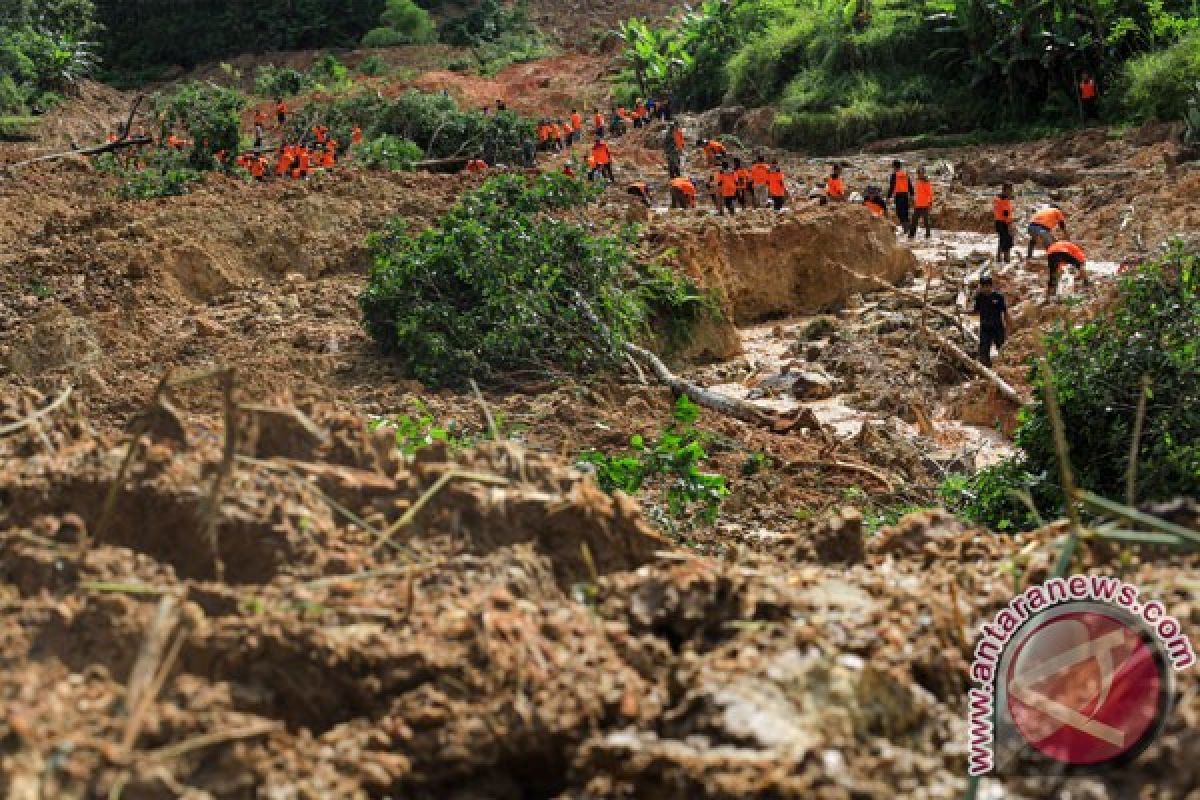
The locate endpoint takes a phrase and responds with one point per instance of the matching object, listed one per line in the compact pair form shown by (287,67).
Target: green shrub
(673,461)
(372,66)
(403,22)
(1152,330)
(1158,85)
(389,152)
(166,174)
(273,81)
(329,71)
(492,291)
(210,114)
(1006,497)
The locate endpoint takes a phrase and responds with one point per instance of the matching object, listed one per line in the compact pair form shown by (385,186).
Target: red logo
(1086,687)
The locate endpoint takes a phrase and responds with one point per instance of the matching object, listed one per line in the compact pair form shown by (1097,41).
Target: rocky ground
(258,596)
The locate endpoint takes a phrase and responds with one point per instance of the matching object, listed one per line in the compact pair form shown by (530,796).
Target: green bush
(1006,497)
(1152,330)
(273,81)
(166,174)
(372,66)
(211,116)
(673,461)
(45,50)
(1158,85)
(492,291)
(404,22)
(389,152)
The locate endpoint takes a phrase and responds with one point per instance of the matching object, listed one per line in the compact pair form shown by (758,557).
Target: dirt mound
(765,265)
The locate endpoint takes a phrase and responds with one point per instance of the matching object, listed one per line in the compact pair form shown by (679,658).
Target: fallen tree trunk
(100,149)
(964,360)
(738,409)
(887,287)
(442,165)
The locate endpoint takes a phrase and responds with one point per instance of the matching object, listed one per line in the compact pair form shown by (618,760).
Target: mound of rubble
(291,609)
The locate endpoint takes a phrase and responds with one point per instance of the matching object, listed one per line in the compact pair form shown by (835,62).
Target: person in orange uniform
(329,154)
(1064,253)
(727,188)
(356,135)
(900,191)
(683,193)
(745,186)
(758,181)
(258,168)
(476,166)
(301,164)
(1002,213)
(835,187)
(1042,226)
(713,151)
(640,190)
(874,201)
(922,203)
(576,126)
(260,118)
(602,156)
(1089,97)
(284,164)
(776,186)
(281,112)
(597,122)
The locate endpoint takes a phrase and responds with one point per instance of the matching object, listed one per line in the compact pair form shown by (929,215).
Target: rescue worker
(356,136)
(281,112)
(727,185)
(900,192)
(1002,213)
(776,186)
(874,201)
(1063,253)
(476,166)
(1089,97)
(994,322)
(673,152)
(758,181)
(640,190)
(922,203)
(714,151)
(284,164)
(1042,226)
(743,183)
(597,122)
(329,154)
(576,127)
(683,193)
(258,168)
(639,113)
(259,133)
(835,187)
(603,157)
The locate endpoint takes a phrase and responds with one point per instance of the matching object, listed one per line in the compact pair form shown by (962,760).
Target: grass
(17,128)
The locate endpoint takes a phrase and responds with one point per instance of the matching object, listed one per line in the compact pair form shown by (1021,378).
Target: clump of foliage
(497,288)
(490,290)
(673,461)
(164,173)
(273,81)
(209,114)
(1151,333)
(46,48)
(372,66)
(421,429)
(402,22)
(389,152)
(1159,85)
(497,34)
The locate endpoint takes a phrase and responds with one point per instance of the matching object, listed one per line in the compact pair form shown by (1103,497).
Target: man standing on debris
(776,186)
(922,204)
(900,189)
(835,187)
(1042,226)
(673,152)
(603,159)
(994,322)
(727,185)
(1064,253)
(1002,211)
(759,171)
(1089,97)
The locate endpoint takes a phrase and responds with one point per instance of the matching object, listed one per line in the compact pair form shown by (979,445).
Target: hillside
(360,483)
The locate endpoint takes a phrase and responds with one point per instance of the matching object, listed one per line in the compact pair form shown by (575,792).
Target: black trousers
(731,204)
(902,209)
(1004,231)
(989,336)
(919,214)
(778,202)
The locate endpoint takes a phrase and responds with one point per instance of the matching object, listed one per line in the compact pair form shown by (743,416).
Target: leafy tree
(211,116)
(1159,85)
(389,152)
(404,22)
(45,50)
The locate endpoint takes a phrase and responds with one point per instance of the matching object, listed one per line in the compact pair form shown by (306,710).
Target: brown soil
(356,623)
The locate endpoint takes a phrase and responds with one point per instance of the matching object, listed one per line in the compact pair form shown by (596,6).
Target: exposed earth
(220,580)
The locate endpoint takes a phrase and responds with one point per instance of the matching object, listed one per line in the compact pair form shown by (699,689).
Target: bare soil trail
(337,620)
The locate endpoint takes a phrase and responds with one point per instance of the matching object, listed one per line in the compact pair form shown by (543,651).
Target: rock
(840,538)
(809,385)
(207,327)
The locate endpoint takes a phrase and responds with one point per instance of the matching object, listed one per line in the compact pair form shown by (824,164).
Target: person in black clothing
(994,321)
(900,187)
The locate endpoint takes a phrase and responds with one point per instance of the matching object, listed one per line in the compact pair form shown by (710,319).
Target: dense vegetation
(1151,334)
(844,73)
(46,46)
(497,289)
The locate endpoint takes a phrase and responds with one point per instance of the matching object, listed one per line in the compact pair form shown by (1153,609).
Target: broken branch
(964,360)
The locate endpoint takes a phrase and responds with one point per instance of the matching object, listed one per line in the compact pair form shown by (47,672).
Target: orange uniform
(1087,89)
(258,166)
(1002,209)
(1068,249)
(679,142)
(874,206)
(599,120)
(1049,218)
(835,189)
(356,135)
(727,182)
(684,185)
(601,154)
(902,185)
(476,166)
(576,121)
(776,186)
(743,179)
(924,194)
(712,149)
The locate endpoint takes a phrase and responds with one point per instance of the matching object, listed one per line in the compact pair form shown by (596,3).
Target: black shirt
(990,307)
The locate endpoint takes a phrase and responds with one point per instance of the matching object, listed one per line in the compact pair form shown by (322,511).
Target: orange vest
(576,121)
(775,184)
(874,206)
(1069,248)
(679,143)
(835,188)
(1049,218)
(599,120)
(924,197)
(1002,209)
(257,167)
(601,153)
(743,178)
(758,173)
(901,182)
(728,183)
(1087,90)
(684,185)
(356,135)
